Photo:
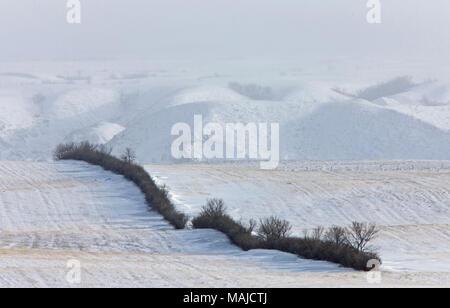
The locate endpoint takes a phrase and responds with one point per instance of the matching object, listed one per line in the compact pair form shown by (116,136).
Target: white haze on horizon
(195,30)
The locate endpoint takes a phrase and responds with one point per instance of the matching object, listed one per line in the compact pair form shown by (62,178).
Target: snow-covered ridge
(317,121)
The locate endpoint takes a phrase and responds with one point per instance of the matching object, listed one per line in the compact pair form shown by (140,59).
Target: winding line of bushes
(333,246)
(338,245)
(156,197)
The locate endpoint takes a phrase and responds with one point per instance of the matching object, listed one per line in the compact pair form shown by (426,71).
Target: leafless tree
(273,228)
(129,156)
(317,233)
(361,234)
(251,226)
(306,234)
(214,208)
(314,234)
(337,235)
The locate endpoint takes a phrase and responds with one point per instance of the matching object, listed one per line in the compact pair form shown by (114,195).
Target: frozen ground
(409,201)
(53,213)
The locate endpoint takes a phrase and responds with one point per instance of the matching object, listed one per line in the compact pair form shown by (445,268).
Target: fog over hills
(198,30)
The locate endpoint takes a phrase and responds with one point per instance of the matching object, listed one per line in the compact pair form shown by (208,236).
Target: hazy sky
(37,29)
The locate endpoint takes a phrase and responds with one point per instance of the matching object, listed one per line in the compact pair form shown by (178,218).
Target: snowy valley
(359,144)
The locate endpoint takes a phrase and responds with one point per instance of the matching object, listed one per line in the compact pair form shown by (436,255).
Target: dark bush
(361,234)
(337,235)
(213,216)
(273,229)
(155,196)
(273,234)
(214,208)
(128,156)
(317,233)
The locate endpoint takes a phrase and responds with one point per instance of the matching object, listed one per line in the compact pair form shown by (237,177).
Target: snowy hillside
(53,213)
(322,115)
(411,206)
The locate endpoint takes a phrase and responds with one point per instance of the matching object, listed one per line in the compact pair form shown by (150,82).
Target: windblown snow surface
(408,201)
(357,143)
(53,213)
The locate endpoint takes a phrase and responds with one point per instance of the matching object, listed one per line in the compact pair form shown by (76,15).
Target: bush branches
(343,246)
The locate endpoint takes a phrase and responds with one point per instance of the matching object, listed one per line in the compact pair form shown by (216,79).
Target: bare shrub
(105,149)
(337,235)
(317,233)
(128,156)
(273,229)
(62,149)
(361,234)
(273,233)
(213,216)
(314,234)
(252,224)
(214,208)
(306,235)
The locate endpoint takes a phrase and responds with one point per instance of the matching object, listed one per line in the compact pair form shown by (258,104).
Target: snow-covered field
(55,212)
(411,206)
(334,113)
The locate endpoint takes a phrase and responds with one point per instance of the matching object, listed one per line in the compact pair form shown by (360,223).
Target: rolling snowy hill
(122,107)
(53,212)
